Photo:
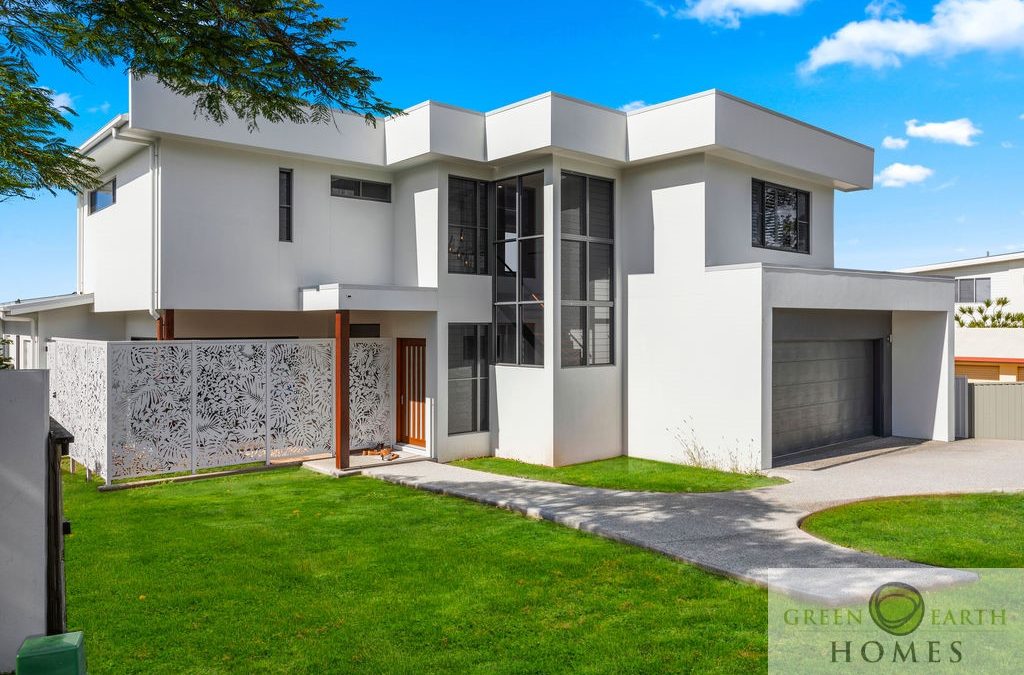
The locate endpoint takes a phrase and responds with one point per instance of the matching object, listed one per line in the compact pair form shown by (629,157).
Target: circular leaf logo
(896,608)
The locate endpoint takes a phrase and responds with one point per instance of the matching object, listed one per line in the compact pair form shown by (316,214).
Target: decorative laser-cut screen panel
(78,401)
(371,383)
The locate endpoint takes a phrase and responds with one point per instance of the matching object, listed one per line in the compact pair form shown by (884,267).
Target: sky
(936,88)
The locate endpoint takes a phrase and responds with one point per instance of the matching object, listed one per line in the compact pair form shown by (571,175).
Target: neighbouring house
(992,354)
(563,282)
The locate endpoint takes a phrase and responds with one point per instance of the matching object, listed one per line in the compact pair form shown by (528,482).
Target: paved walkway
(752,535)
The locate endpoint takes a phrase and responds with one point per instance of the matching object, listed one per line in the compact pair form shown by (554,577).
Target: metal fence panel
(997,410)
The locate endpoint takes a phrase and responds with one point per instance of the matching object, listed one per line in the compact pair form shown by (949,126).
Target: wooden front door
(412,388)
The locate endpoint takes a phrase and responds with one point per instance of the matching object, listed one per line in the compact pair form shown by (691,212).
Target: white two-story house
(985,353)
(566,282)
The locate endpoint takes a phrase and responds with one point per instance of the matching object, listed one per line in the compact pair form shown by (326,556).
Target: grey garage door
(822,393)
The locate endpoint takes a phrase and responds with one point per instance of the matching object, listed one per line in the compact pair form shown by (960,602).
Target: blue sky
(861,70)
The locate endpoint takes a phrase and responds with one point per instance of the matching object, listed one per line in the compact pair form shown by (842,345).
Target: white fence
(144,408)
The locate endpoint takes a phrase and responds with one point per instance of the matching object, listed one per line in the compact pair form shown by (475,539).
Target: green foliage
(6,362)
(627,473)
(288,571)
(989,314)
(983,530)
(254,59)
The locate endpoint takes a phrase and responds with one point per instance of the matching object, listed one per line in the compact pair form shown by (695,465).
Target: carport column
(341,407)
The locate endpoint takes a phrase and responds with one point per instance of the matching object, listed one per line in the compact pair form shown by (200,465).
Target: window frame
(359,183)
(482,377)
(973,281)
(287,234)
(588,303)
(91,198)
(518,302)
(759,242)
(483,189)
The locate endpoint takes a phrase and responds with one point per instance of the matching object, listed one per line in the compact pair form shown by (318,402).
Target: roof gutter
(154,249)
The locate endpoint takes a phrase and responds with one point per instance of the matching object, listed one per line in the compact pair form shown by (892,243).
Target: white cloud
(1021,116)
(727,13)
(880,9)
(1007,144)
(893,143)
(957,132)
(956,26)
(900,175)
(101,108)
(633,105)
(61,100)
(662,10)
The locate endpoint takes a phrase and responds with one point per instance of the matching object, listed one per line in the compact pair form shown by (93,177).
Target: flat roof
(966,262)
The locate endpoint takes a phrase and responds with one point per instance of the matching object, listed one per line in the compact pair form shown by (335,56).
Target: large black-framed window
(519,270)
(103,196)
(468,372)
(467,226)
(587,270)
(780,217)
(974,289)
(284,204)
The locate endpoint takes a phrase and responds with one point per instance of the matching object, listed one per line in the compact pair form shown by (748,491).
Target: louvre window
(103,196)
(519,270)
(468,370)
(284,205)
(587,271)
(976,289)
(780,217)
(467,226)
(355,188)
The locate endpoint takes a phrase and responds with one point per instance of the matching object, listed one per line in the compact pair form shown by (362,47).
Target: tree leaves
(255,60)
(988,314)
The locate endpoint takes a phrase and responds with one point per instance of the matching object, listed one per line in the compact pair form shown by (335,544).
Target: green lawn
(627,473)
(290,571)
(951,531)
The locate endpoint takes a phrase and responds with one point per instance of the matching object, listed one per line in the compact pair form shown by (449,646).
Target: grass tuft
(627,473)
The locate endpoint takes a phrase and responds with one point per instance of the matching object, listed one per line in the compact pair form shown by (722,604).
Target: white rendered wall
(729,217)
(999,343)
(348,139)
(417,204)
(522,415)
(462,298)
(694,339)
(922,375)
(117,256)
(219,230)
(588,399)
(24,424)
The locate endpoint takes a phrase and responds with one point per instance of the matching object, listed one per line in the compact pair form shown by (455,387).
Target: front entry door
(412,387)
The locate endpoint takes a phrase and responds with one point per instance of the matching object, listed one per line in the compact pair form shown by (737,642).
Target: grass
(984,530)
(627,473)
(290,571)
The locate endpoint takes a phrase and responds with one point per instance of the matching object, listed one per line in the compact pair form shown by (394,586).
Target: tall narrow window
(468,369)
(587,271)
(284,204)
(103,196)
(519,270)
(780,217)
(467,226)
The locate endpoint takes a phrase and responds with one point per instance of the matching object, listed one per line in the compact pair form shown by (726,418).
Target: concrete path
(752,535)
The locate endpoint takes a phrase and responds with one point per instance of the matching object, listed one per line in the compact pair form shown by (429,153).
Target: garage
(823,392)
